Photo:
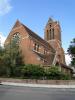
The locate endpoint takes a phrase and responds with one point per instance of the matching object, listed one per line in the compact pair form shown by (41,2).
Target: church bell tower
(52,31)
(52,35)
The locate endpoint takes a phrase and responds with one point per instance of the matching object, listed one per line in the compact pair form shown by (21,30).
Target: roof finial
(50,20)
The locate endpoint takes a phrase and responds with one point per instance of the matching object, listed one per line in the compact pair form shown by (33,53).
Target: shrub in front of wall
(33,71)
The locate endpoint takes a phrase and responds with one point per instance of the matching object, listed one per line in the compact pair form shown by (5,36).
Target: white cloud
(68,59)
(5,6)
(2,39)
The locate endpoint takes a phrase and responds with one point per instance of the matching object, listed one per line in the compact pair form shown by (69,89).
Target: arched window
(38,47)
(16,37)
(53,33)
(35,46)
(50,35)
(47,35)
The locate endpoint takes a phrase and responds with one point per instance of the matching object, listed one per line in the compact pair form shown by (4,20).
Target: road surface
(34,93)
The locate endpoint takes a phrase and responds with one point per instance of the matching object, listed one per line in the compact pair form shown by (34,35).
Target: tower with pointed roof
(52,35)
(52,30)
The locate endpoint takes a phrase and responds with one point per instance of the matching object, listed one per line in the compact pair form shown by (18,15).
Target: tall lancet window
(50,37)
(47,35)
(53,33)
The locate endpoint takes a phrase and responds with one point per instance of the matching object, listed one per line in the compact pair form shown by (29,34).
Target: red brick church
(36,50)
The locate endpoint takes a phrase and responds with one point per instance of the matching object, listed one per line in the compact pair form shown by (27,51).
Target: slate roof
(64,65)
(48,58)
(34,35)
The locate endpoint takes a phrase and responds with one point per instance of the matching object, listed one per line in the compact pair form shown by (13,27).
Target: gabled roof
(48,58)
(17,24)
(64,65)
(34,35)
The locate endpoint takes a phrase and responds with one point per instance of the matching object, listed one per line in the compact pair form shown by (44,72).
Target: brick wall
(56,82)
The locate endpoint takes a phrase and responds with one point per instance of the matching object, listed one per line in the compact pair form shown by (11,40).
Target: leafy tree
(71,51)
(10,58)
(1,55)
(14,56)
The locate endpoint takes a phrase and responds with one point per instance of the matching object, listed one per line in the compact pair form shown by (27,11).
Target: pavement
(37,85)
(9,92)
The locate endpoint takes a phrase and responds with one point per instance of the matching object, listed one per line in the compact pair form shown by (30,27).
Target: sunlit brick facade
(35,50)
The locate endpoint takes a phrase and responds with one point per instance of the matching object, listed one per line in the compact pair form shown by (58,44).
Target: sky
(35,14)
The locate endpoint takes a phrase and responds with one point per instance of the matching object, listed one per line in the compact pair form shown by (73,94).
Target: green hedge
(31,71)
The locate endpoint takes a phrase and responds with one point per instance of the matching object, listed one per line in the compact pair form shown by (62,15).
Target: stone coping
(34,81)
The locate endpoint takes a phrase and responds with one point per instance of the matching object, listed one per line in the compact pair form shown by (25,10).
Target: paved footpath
(38,85)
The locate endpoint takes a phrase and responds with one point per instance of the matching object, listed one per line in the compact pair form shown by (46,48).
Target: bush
(33,71)
(55,74)
(2,70)
(65,76)
(17,71)
(30,71)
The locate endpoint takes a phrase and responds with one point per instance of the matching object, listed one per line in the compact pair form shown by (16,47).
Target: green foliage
(65,76)
(55,74)
(71,51)
(14,54)
(10,58)
(17,71)
(32,71)
(11,65)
